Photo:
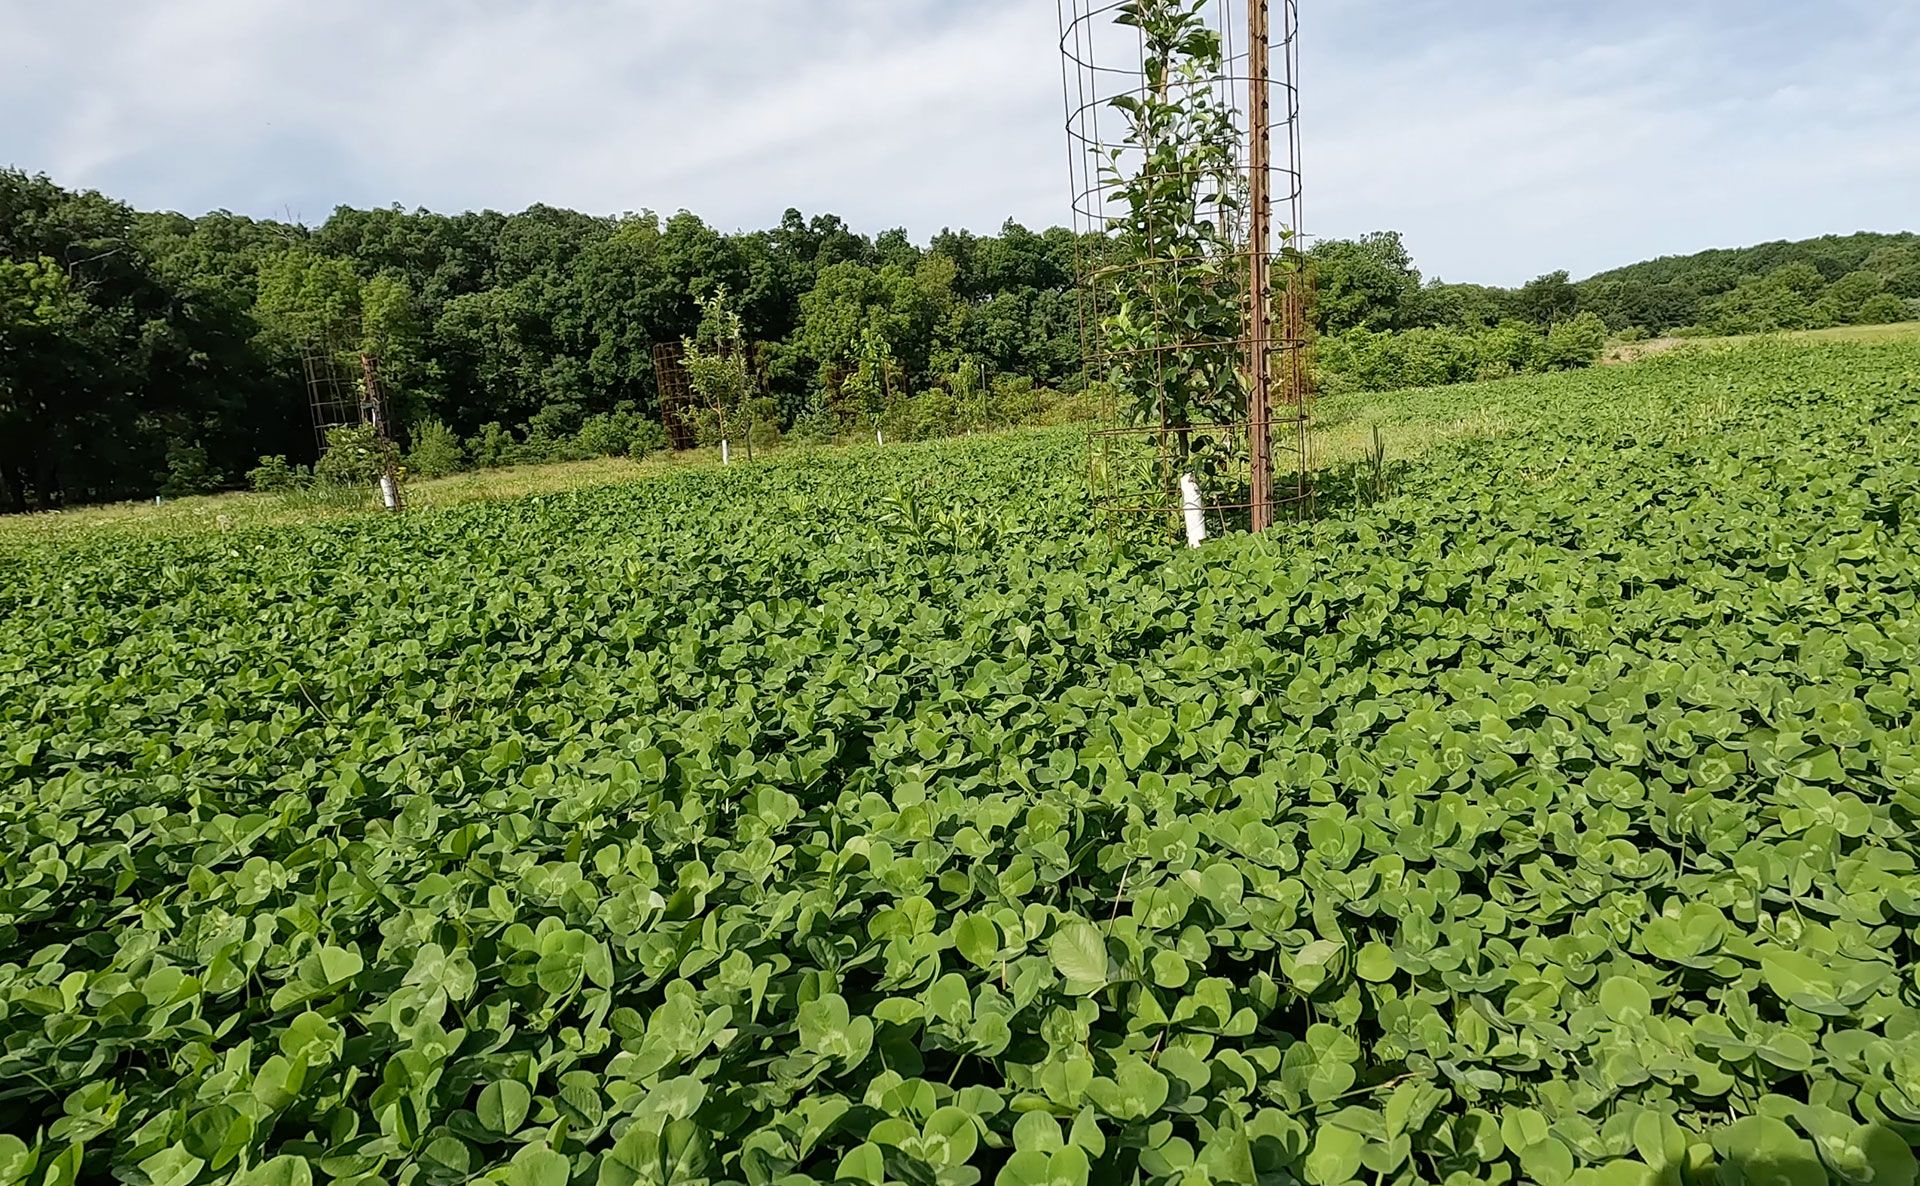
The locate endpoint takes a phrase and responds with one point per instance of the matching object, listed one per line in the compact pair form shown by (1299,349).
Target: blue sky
(1503,137)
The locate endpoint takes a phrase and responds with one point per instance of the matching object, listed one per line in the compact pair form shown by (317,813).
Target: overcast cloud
(1502,137)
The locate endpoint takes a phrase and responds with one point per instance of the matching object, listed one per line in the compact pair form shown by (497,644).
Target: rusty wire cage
(344,390)
(677,404)
(1247,446)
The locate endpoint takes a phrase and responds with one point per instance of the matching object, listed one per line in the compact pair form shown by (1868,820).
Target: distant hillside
(1865,278)
(1382,325)
(1833,255)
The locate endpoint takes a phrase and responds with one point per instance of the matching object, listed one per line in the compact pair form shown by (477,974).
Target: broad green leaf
(16,1160)
(1625,1001)
(311,1037)
(537,1165)
(1334,1158)
(338,964)
(1037,1132)
(1134,1092)
(504,1105)
(283,1170)
(1546,1160)
(863,1163)
(172,1167)
(1375,962)
(1765,1151)
(977,939)
(1079,954)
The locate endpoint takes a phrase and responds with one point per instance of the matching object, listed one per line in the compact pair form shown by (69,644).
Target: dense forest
(144,352)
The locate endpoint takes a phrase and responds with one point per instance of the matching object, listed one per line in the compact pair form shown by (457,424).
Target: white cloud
(1504,138)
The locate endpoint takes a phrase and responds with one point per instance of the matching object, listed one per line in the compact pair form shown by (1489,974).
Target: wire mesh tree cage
(344,391)
(682,412)
(1183,129)
(678,407)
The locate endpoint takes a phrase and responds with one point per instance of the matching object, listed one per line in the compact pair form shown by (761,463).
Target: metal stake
(1260,285)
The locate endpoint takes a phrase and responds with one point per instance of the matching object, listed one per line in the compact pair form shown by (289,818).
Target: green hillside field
(866,815)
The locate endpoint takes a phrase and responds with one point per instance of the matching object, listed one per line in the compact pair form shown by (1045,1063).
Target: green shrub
(938,414)
(1073,408)
(1846,299)
(905,419)
(437,452)
(355,456)
(649,437)
(1786,298)
(603,436)
(1329,380)
(764,427)
(544,450)
(1883,309)
(1576,343)
(189,471)
(815,426)
(1432,357)
(705,423)
(493,446)
(275,476)
(1824,314)
(1014,399)
(608,434)
(1386,360)
(323,496)
(1510,348)
(1366,360)
(554,422)
(763,423)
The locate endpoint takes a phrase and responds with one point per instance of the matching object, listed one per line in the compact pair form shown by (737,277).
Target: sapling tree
(872,380)
(1174,300)
(967,384)
(716,362)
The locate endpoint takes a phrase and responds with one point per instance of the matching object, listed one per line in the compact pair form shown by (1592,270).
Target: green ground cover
(864,816)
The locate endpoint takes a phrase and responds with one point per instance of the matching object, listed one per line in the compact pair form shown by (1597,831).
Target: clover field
(864,816)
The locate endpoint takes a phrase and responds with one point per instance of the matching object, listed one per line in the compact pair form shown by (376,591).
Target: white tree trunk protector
(389,492)
(726,458)
(1196,515)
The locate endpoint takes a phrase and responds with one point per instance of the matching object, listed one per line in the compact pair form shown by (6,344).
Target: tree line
(1383,326)
(135,346)
(146,351)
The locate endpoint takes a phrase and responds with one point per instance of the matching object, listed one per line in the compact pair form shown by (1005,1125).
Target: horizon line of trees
(154,351)
(1383,326)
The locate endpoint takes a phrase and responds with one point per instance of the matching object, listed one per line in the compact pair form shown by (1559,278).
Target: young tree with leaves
(1176,289)
(872,380)
(716,362)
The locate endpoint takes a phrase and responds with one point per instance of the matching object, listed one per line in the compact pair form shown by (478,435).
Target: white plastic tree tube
(389,492)
(1191,506)
(726,457)
(879,438)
